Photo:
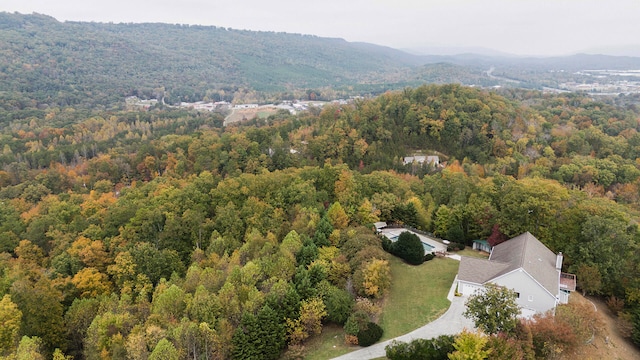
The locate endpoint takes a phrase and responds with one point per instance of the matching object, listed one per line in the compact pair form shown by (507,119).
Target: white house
(524,265)
(434,160)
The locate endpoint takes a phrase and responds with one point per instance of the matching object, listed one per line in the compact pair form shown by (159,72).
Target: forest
(125,234)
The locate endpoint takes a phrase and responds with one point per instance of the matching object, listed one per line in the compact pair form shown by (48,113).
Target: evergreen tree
(260,336)
(409,248)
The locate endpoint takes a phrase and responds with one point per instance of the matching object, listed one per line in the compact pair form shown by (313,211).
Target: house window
(517,295)
(530,298)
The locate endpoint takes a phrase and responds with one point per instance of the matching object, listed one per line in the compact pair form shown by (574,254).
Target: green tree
(77,320)
(41,310)
(291,243)
(164,350)
(204,307)
(11,226)
(337,216)
(470,346)
(30,348)
(156,264)
(59,355)
(323,231)
(589,279)
(169,302)
(261,336)
(338,303)
(105,335)
(409,248)
(493,310)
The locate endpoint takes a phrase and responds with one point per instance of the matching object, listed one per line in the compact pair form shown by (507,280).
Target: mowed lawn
(418,295)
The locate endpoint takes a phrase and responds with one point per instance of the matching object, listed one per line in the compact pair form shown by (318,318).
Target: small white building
(524,265)
(432,159)
(379,226)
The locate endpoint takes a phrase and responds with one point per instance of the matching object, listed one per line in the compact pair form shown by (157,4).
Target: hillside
(127,234)
(45,62)
(70,63)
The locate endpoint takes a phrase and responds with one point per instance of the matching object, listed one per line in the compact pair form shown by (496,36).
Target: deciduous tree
(493,310)
(470,346)
(10,317)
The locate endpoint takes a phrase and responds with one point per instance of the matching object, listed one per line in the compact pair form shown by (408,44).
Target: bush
(455,246)
(427,349)
(356,322)
(387,245)
(370,334)
(429,256)
(350,339)
(615,305)
(409,248)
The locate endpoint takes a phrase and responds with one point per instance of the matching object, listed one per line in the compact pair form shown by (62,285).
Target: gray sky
(524,27)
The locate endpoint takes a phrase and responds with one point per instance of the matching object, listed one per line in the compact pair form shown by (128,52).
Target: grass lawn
(328,345)
(418,295)
(472,253)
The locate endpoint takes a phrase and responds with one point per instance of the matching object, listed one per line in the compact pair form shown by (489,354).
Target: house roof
(479,271)
(380,224)
(420,159)
(523,251)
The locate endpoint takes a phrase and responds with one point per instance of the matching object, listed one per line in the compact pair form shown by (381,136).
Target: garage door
(469,289)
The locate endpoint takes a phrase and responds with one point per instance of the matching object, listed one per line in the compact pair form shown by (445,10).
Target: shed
(481,245)
(380,225)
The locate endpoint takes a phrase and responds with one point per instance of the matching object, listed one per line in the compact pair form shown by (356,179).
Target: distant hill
(47,62)
(44,57)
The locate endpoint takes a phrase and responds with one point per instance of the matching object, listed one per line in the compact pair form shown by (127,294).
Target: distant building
(246,106)
(432,159)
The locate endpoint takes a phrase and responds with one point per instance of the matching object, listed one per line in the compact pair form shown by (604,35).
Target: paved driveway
(450,323)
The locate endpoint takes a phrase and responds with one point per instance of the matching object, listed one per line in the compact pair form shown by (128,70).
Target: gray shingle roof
(523,251)
(479,270)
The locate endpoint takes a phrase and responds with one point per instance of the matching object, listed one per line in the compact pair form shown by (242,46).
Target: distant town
(603,82)
(236,112)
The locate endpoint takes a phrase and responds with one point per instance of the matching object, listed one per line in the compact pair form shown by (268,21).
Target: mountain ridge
(90,63)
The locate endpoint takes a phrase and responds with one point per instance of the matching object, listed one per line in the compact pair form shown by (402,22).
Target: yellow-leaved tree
(309,323)
(375,278)
(10,317)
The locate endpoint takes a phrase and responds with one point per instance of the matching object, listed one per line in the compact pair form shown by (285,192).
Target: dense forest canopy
(127,233)
(133,228)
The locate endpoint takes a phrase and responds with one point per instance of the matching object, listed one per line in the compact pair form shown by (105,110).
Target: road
(490,74)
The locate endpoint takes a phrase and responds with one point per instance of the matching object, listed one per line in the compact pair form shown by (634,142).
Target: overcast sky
(523,27)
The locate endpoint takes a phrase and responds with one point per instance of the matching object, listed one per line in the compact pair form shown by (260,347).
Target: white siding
(532,295)
(563,297)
